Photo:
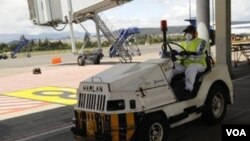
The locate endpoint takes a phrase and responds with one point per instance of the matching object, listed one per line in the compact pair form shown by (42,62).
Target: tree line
(48,45)
(35,45)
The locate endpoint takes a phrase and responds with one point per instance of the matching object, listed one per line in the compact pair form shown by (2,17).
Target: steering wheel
(173,52)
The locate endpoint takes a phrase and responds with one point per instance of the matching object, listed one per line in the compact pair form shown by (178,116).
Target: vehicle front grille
(91,101)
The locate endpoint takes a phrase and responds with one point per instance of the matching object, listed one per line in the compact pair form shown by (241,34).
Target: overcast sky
(14,14)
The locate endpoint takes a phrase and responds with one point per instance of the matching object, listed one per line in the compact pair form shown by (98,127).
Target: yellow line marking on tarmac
(65,96)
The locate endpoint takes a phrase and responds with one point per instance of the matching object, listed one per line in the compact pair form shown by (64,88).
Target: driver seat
(209,63)
(178,81)
(200,75)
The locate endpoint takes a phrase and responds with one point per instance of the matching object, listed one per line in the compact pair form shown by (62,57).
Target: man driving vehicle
(193,58)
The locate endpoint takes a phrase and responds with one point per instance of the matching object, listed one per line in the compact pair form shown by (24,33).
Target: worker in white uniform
(195,60)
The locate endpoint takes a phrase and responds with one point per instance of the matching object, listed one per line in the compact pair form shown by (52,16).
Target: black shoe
(187,95)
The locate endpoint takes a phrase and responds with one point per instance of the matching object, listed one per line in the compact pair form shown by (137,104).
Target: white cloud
(167,10)
(240,10)
(131,22)
(15,15)
(15,18)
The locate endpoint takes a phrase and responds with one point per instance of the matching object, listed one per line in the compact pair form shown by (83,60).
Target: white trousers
(190,74)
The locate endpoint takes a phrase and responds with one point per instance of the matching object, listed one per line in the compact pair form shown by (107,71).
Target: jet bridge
(103,5)
(91,13)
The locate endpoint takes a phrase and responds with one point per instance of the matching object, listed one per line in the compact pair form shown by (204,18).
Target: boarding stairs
(246,53)
(239,49)
(94,12)
(117,38)
(121,48)
(105,29)
(22,43)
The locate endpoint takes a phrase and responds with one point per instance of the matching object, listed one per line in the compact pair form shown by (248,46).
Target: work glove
(174,52)
(182,53)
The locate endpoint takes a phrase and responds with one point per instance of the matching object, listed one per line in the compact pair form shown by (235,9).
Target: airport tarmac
(40,107)
(24,94)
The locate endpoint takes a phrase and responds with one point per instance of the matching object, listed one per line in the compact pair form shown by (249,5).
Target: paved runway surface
(40,107)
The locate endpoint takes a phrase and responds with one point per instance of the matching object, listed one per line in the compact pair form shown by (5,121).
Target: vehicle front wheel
(216,105)
(152,128)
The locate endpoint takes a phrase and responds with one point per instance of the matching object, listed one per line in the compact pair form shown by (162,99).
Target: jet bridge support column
(98,32)
(70,16)
(223,32)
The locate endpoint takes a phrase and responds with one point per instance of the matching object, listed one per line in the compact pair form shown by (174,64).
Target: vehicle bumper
(105,127)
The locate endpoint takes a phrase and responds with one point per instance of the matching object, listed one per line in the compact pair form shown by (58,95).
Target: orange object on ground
(56,60)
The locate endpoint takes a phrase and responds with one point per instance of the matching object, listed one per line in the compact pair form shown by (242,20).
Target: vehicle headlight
(114,105)
(132,104)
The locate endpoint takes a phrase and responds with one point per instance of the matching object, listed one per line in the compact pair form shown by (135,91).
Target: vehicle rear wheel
(81,60)
(152,128)
(216,105)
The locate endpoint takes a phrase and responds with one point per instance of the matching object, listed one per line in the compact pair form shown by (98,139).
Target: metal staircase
(114,39)
(121,49)
(246,52)
(22,43)
(111,36)
(239,49)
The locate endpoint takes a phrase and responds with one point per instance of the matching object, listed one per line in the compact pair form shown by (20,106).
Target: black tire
(97,60)
(81,60)
(5,57)
(216,105)
(152,128)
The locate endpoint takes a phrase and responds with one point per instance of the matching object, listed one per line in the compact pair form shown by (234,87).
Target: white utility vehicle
(136,102)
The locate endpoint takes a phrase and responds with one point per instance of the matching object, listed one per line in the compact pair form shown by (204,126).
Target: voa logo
(236,132)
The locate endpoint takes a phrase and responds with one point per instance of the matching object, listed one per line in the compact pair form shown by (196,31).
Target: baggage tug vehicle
(137,101)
